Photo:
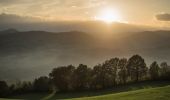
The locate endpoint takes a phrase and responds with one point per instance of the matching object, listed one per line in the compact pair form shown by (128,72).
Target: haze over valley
(29,54)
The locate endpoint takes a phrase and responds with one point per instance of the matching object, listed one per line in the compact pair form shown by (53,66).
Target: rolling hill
(160,93)
(28,54)
(156,90)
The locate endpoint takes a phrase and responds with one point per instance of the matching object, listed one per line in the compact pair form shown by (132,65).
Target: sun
(108,15)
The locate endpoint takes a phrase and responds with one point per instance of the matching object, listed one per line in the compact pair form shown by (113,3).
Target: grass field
(160,93)
(138,91)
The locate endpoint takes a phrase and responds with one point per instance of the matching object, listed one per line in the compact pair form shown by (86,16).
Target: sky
(148,12)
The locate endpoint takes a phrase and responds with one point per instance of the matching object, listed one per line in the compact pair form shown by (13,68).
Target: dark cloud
(163,17)
(13,18)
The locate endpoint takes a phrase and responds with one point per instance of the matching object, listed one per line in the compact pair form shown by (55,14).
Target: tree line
(112,72)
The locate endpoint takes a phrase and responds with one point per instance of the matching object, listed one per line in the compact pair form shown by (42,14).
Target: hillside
(160,93)
(153,90)
(25,53)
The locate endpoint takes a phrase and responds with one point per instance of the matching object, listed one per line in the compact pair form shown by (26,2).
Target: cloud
(7,1)
(163,17)
(13,18)
(27,23)
(57,8)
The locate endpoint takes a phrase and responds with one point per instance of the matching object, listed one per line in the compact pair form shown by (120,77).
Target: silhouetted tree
(41,84)
(26,87)
(136,68)
(165,70)
(82,77)
(12,89)
(154,70)
(97,77)
(62,77)
(122,71)
(110,72)
(4,90)
(105,75)
(21,87)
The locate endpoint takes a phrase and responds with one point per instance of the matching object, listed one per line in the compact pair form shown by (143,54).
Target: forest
(111,73)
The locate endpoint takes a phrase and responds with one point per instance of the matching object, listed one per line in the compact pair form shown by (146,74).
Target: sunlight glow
(108,15)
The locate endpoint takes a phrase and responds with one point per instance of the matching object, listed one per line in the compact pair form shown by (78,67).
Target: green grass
(155,90)
(160,93)
(9,99)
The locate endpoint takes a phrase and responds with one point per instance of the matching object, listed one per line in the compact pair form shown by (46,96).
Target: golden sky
(132,11)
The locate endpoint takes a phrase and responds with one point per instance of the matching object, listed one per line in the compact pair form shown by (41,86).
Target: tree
(26,87)
(81,77)
(3,89)
(154,70)
(21,87)
(41,84)
(110,70)
(136,68)
(62,77)
(97,77)
(164,70)
(104,75)
(122,71)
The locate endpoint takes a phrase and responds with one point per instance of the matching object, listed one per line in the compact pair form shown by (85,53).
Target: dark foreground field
(154,90)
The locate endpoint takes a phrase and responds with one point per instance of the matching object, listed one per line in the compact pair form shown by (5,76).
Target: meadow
(151,90)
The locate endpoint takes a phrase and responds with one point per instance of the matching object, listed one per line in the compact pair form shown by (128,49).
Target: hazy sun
(108,15)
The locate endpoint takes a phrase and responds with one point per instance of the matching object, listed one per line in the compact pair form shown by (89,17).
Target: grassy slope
(138,91)
(160,93)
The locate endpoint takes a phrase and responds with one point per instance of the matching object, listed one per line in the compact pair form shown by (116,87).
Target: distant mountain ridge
(34,53)
(9,31)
